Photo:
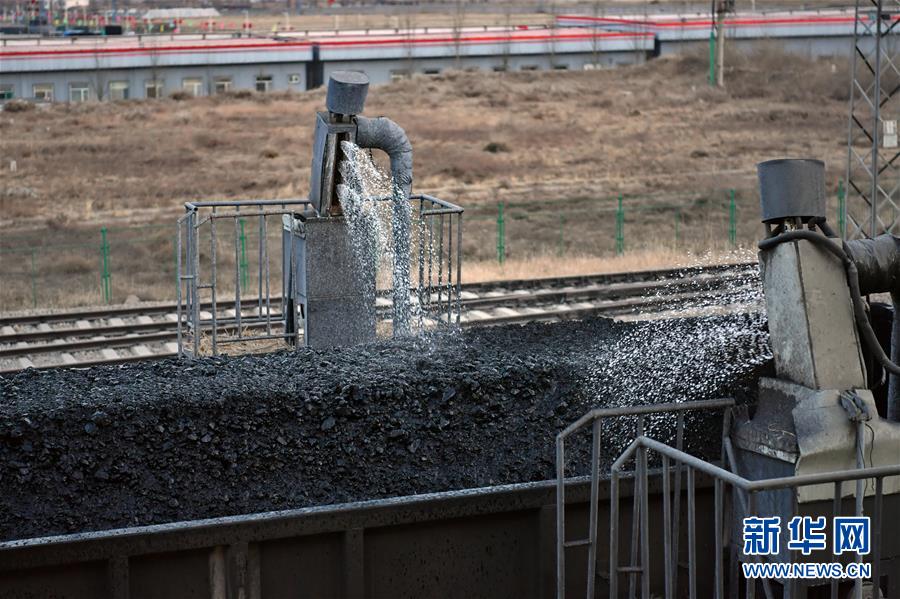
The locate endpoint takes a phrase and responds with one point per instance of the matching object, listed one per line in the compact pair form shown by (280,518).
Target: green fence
(67,267)
(56,268)
(714,220)
(613,226)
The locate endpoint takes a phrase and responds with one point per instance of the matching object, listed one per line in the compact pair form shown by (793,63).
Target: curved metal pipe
(384,134)
(894,384)
(880,260)
(878,263)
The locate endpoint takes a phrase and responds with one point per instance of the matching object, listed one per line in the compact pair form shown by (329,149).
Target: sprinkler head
(791,188)
(347,92)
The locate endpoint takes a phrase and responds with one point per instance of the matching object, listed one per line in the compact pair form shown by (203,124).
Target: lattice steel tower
(873,168)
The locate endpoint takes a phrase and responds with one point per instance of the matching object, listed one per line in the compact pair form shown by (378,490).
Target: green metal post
(33,281)
(243,257)
(104,261)
(620,228)
(712,57)
(561,242)
(842,209)
(732,220)
(501,235)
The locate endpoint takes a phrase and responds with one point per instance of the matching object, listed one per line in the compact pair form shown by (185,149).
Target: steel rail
(613,308)
(131,335)
(114,335)
(97,362)
(543,305)
(481,287)
(537,297)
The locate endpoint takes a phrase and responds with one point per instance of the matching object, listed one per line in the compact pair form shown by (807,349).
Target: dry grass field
(556,147)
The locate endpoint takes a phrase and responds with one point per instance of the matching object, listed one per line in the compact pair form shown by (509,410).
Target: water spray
(336,303)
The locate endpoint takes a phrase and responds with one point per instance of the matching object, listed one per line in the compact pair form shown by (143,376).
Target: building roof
(129,51)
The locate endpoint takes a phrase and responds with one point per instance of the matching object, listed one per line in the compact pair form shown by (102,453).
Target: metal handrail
(439,290)
(765,484)
(596,416)
(638,569)
(240,203)
(721,477)
(189,275)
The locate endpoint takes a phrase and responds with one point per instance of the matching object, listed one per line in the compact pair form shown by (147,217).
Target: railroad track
(120,334)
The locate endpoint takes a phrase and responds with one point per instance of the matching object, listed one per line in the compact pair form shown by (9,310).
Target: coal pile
(167,441)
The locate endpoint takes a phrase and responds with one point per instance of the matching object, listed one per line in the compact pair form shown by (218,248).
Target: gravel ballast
(167,441)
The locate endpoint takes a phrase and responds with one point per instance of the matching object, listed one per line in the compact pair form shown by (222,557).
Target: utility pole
(872,205)
(720,8)
(458,22)
(595,62)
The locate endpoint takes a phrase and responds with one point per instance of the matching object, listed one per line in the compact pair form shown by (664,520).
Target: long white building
(74,70)
(122,67)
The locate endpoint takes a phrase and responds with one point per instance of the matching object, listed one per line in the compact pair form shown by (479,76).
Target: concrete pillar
(337,299)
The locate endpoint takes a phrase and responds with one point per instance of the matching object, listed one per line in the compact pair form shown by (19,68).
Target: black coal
(166,441)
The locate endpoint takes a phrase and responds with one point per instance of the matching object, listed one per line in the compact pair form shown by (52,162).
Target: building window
(294,79)
(6,92)
(398,74)
(118,90)
(432,72)
(264,83)
(43,92)
(193,86)
(79,92)
(153,89)
(529,67)
(222,85)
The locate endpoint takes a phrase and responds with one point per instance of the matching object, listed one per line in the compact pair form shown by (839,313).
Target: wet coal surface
(167,441)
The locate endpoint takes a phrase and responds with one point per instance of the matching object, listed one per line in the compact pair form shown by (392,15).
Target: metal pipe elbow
(878,263)
(383,134)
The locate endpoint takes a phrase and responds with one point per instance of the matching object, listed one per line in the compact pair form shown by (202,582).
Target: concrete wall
(172,78)
(243,76)
(381,69)
(814,47)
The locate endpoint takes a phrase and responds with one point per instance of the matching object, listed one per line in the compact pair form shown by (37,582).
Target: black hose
(859,309)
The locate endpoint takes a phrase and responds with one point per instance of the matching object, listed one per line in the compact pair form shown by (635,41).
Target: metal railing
(595,417)
(230,273)
(747,492)
(438,291)
(249,319)
(749,489)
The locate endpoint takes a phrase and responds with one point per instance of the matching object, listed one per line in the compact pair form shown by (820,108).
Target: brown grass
(555,147)
(634,130)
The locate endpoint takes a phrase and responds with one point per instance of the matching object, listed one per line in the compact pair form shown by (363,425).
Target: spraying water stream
(379,229)
(696,348)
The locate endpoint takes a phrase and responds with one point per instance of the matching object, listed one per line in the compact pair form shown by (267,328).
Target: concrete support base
(810,431)
(335,300)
